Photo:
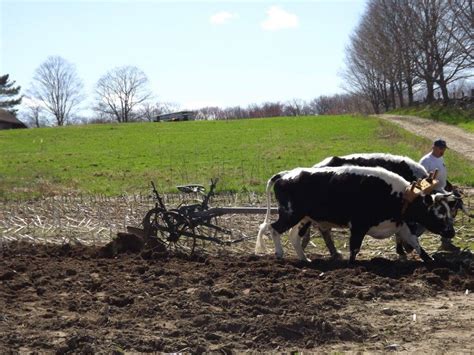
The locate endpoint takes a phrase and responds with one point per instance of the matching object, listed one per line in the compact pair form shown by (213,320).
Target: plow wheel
(171,228)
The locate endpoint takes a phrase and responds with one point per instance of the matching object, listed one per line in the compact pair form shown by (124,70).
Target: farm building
(8,121)
(176,116)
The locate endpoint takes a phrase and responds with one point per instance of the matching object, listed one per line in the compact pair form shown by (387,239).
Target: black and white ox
(401,165)
(366,200)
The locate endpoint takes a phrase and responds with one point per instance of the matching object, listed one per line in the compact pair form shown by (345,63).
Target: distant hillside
(114,159)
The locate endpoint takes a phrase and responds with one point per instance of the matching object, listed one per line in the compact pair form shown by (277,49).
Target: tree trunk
(392,95)
(444,88)
(400,93)
(429,91)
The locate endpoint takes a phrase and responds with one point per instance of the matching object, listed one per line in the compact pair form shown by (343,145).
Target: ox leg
(425,256)
(355,242)
(260,245)
(295,240)
(412,240)
(400,250)
(277,242)
(305,234)
(284,223)
(326,233)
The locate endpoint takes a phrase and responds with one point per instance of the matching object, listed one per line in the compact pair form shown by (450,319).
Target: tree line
(321,105)
(402,47)
(122,95)
(402,51)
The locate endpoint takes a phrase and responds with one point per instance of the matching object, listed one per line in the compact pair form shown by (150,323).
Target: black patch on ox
(361,200)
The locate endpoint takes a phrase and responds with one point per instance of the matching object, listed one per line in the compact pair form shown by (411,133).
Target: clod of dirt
(7,275)
(78,343)
(205,296)
(120,301)
(132,243)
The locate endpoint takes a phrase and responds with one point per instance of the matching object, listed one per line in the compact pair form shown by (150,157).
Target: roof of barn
(7,117)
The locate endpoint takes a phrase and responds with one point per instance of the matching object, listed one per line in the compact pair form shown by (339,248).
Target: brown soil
(64,299)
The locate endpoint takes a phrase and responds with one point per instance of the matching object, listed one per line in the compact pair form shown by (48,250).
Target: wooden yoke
(416,188)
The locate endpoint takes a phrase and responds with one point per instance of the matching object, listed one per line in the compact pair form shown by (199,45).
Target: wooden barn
(8,121)
(176,116)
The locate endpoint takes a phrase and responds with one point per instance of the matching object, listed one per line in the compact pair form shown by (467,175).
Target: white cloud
(222,17)
(278,19)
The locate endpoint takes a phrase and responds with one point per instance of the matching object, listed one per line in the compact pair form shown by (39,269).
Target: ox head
(457,203)
(433,212)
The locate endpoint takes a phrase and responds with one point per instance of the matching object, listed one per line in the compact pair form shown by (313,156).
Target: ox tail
(260,245)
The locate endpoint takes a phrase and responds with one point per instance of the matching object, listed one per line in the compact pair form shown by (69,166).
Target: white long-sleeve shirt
(431,163)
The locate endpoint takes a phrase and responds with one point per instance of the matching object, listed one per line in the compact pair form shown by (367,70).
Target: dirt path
(457,139)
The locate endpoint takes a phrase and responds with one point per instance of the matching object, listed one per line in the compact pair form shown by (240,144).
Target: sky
(194,53)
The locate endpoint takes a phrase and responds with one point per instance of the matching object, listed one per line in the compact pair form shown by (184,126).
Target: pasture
(117,159)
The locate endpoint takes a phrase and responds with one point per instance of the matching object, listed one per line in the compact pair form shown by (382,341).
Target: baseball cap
(441,143)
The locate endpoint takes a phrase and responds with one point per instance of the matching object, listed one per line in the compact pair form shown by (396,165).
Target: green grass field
(114,159)
(447,114)
(468,126)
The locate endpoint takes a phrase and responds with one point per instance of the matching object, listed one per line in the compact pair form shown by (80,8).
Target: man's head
(439,147)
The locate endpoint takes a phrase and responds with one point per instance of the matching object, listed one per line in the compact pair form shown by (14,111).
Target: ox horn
(439,196)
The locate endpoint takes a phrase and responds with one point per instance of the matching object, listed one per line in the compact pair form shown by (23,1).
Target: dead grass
(97,219)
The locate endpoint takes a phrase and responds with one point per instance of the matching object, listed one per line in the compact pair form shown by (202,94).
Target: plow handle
(158,197)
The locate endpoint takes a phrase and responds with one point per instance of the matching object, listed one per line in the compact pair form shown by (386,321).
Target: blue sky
(194,53)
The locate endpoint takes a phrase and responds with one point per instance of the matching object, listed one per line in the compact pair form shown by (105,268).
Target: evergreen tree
(7,93)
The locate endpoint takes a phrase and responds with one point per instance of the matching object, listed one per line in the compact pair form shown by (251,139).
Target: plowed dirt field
(77,299)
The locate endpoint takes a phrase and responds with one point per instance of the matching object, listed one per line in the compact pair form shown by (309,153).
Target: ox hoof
(403,257)
(278,256)
(305,260)
(336,256)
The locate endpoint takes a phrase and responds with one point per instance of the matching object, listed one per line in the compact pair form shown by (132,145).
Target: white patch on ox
(296,240)
(323,163)
(294,173)
(383,230)
(442,214)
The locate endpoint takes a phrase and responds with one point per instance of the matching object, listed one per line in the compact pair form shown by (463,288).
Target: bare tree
(454,53)
(57,85)
(400,44)
(120,91)
(441,43)
(33,114)
(294,107)
(362,75)
(149,111)
(462,26)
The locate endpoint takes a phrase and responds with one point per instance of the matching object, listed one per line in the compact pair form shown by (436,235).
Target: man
(432,161)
